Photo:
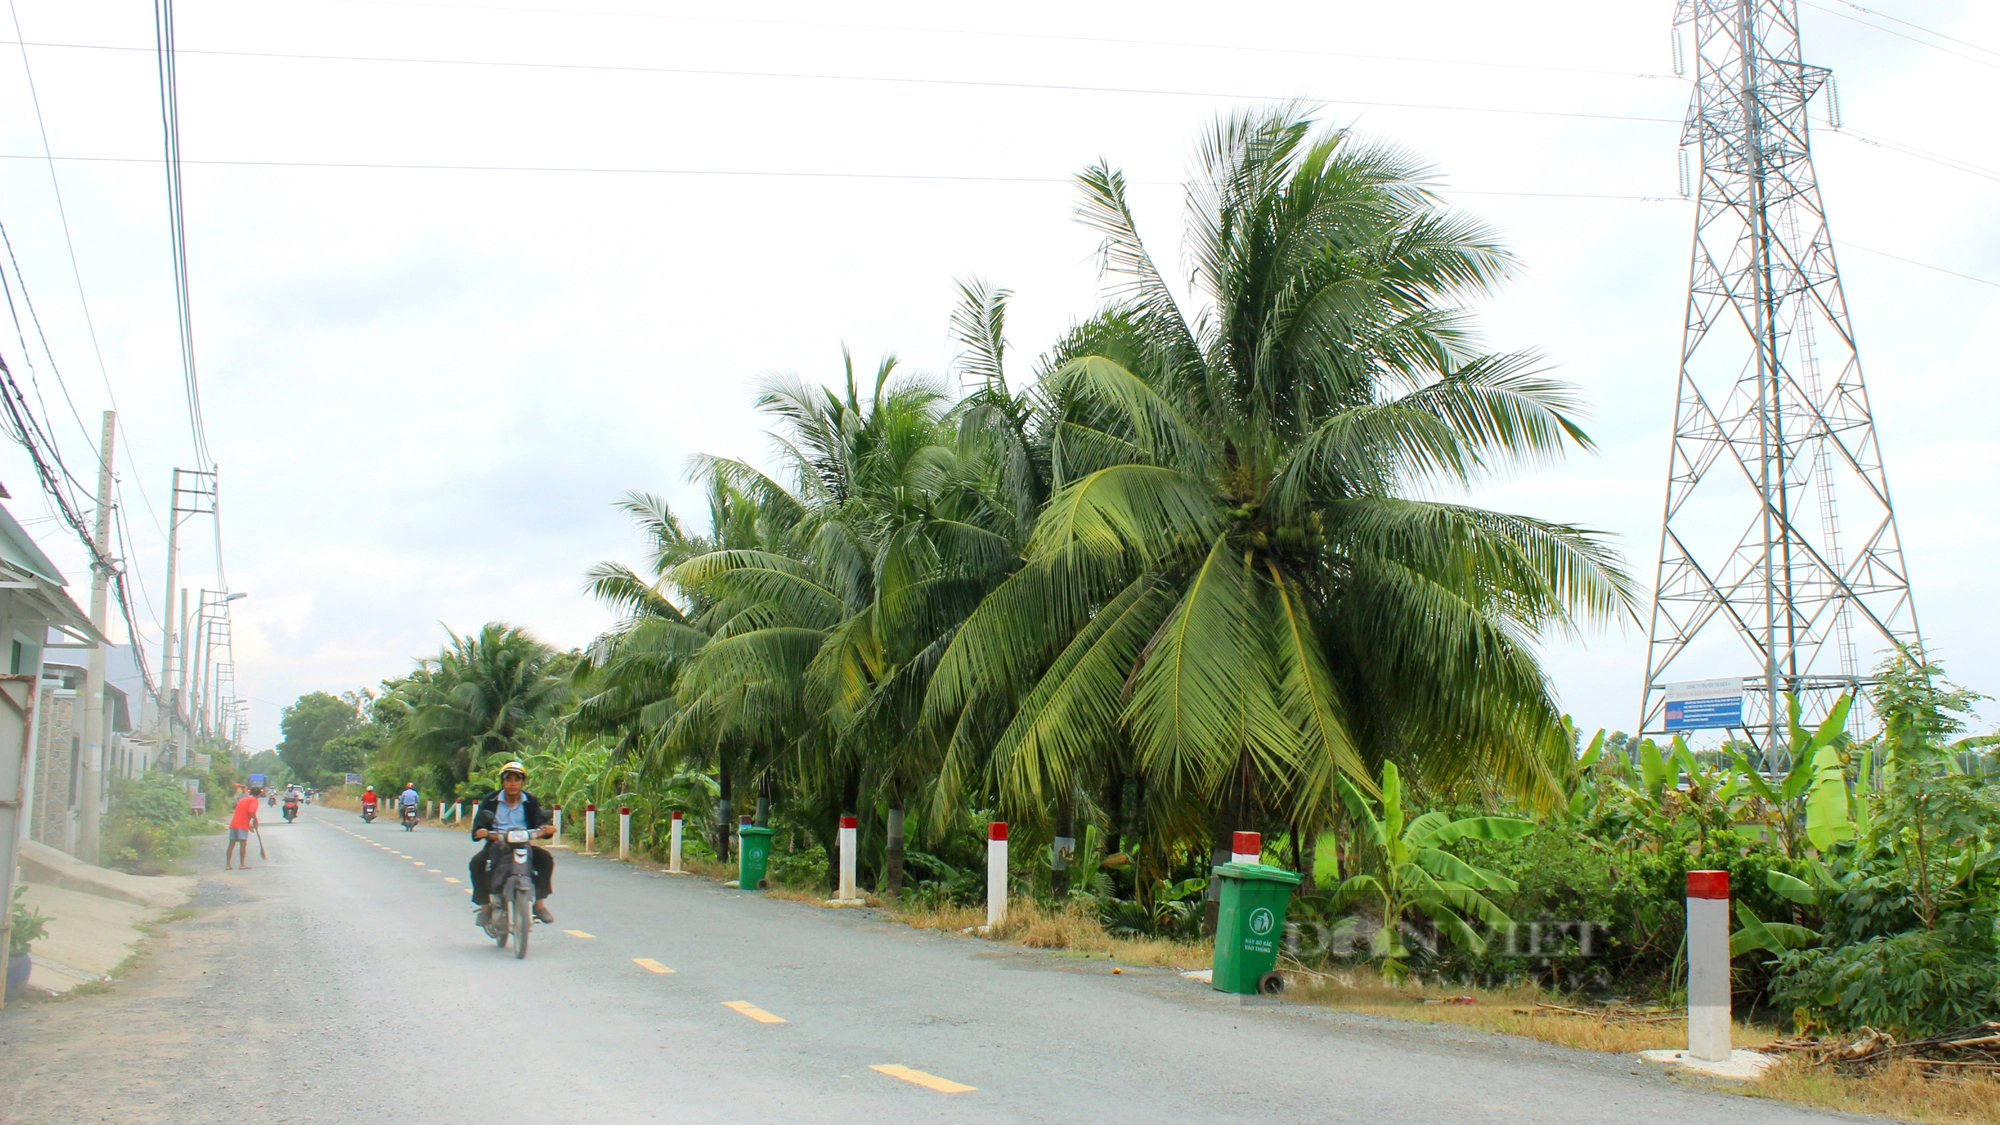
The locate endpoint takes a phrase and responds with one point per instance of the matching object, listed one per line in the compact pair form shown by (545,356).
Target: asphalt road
(345,982)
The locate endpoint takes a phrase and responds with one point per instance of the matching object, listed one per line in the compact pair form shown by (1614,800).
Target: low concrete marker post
(559,824)
(850,832)
(996,873)
(589,829)
(1708,965)
(624,834)
(674,846)
(1246,847)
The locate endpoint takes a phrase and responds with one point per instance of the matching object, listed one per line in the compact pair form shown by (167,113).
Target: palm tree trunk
(724,811)
(1065,843)
(764,799)
(893,852)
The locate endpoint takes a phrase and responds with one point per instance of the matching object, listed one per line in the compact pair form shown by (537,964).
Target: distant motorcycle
(291,811)
(368,814)
(409,818)
(512,865)
(270,800)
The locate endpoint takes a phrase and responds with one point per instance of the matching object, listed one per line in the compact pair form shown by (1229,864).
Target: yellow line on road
(418,862)
(927,1081)
(652,966)
(579,933)
(751,1010)
(449,879)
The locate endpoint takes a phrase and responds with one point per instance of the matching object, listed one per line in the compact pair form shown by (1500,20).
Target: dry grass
(1898,1089)
(1073,929)
(1510,1011)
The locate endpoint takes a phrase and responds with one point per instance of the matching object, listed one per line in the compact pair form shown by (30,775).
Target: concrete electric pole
(90,802)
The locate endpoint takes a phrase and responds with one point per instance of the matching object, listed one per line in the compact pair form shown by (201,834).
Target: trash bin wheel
(1271,983)
(763,884)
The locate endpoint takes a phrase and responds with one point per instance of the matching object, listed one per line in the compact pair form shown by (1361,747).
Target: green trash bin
(753,855)
(1250,926)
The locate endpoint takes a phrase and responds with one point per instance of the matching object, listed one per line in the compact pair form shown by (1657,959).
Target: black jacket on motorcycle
(484,815)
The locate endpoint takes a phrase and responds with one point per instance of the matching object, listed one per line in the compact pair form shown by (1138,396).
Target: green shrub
(28,925)
(1913,984)
(148,824)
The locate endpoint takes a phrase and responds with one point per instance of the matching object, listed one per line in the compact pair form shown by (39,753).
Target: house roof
(26,571)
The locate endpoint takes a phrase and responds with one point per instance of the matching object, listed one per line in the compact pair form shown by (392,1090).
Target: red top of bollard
(623,811)
(741,820)
(590,808)
(1708,884)
(677,816)
(850,822)
(1246,843)
(997,830)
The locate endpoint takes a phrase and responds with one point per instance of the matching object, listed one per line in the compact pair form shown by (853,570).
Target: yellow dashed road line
(579,933)
(751,1010)
(927,1081)
(652,966)
(449,879)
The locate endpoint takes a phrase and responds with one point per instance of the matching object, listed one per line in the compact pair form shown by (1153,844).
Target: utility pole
(1774,439)
(168,619)
(90,804)
(195,497)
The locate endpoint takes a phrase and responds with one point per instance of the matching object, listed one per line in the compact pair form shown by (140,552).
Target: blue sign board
(1704,704)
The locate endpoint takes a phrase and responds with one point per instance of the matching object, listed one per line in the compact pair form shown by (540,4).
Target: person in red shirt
(240,827)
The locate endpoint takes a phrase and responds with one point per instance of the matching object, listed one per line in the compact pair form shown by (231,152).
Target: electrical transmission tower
(1779,557)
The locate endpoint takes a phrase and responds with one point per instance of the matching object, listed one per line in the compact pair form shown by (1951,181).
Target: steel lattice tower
(1779,556)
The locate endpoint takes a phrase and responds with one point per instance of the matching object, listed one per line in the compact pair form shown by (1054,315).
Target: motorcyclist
(511,807)
(409,798)
(368,801)
(291,804)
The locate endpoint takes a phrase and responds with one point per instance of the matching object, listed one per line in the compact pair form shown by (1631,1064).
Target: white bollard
(1246,847)
(559,835)
(850,832)
(996,873)
(589,829)
(674,845)
(1708,965)
(624,834)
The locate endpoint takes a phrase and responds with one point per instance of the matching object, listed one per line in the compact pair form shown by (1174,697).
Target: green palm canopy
(1236,591)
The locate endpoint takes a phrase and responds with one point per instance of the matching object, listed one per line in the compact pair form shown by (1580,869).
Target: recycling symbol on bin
(1262,921)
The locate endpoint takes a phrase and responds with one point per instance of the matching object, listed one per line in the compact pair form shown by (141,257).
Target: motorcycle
(291,811)
(409,818)
(368,814)
(268,801)
(511,867)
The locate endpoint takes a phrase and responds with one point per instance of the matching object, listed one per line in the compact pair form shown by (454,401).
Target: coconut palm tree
(1234,581)
(823,657)
(484,697)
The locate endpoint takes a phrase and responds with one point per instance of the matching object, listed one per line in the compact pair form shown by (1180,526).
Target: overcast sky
(426,388)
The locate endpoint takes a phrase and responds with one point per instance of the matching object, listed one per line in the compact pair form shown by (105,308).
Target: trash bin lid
(753,830)
(1262,871)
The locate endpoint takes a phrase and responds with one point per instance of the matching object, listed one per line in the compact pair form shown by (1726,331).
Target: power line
(1901,35)
(1912,261)
(170,127)
(1904,22)
(896,80)
(1030,35)
(754,173)
(1951,162)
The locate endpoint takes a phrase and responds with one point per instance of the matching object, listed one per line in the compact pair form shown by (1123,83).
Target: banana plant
(1816,784)
(1753,933)
(1417,875)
